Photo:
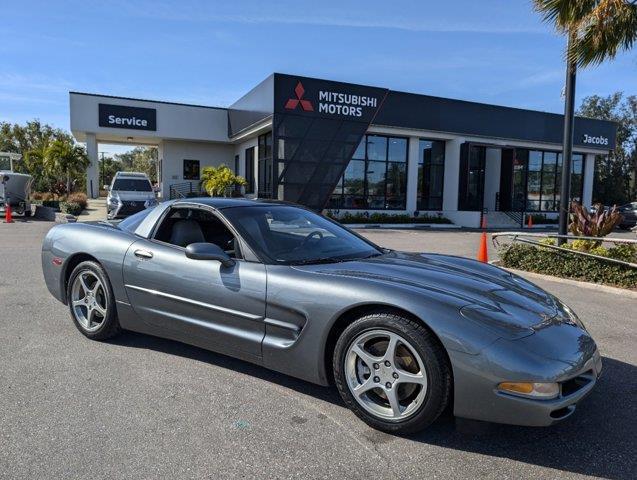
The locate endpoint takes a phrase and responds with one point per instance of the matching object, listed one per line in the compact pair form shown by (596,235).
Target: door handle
(143,254)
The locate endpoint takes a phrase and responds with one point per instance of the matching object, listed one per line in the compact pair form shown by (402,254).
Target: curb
(398,226)
(576,283)
(65,218)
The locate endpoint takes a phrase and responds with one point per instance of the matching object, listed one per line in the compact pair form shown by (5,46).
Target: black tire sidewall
(110,325)
(434,360)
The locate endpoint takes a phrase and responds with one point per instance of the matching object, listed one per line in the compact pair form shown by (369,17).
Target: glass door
(471,178)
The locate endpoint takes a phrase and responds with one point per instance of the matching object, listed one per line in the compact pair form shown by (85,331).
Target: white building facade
(352,148)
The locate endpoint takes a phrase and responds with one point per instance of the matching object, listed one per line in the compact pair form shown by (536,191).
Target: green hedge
(571,265)
(72,208)
(387,218)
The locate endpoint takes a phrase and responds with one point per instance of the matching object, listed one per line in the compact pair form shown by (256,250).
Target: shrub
(384,218)
(598,224)
(71,208)
(571,265)
(217,181)
(79,198)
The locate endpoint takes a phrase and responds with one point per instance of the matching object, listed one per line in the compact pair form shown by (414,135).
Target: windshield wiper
(316,261)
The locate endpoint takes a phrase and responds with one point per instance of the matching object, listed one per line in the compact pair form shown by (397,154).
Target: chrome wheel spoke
(366,386)
(365,356)
(390,354)
(406,377)
(79,303)
(99,309)
(392,397)
(83,283)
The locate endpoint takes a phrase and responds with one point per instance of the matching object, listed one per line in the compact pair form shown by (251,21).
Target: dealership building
(354,148)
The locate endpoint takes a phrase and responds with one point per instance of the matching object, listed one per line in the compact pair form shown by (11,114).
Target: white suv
(130,192)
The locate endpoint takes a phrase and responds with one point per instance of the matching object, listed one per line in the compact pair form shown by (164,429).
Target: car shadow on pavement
(599,439)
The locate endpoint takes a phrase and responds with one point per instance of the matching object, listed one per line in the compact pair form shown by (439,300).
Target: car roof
(131,174)
(220,203)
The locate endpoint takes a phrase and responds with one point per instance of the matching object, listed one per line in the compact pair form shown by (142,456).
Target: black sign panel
(130,118)
(313,97)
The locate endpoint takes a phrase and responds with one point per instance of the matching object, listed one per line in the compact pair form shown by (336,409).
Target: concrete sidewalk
(96,210)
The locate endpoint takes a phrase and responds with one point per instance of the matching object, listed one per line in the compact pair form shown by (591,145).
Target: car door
(197,301)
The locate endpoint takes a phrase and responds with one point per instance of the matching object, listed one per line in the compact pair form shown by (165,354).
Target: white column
(163,194)
(452,172)
(93,171)
(589,177)
(412,175)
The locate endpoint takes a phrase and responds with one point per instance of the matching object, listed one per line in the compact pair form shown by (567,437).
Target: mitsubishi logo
(292,103)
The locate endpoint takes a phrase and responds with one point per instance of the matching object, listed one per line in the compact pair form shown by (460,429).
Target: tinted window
(132,185)
(288,235)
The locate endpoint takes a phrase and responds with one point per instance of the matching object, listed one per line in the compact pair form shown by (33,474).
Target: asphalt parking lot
(142,407)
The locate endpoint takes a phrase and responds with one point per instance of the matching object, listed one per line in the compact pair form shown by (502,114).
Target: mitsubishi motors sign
(310,96)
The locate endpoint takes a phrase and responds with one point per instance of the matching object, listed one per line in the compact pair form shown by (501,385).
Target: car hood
(132,195)
(486,294)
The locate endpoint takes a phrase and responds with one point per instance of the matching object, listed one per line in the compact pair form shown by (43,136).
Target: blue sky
(210,52)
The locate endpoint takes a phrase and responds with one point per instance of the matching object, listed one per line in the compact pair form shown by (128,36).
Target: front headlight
(113,201)
(537,390)
(151,202)
(575,320)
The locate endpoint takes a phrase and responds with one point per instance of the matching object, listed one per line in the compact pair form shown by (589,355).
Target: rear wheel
(91,301)
(392,372)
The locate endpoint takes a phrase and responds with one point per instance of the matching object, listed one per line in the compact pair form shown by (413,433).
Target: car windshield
(288,235)
(132,185)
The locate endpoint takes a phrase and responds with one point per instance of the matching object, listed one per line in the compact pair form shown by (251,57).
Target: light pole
(567,145)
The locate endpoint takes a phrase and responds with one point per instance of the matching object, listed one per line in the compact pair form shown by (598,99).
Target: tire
(426,402)
(100,326)
(27,213)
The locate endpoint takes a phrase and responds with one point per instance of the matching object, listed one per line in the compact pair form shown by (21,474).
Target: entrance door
(471,178)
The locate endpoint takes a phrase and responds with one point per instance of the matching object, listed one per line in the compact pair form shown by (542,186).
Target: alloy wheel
(88,299)
(386,375)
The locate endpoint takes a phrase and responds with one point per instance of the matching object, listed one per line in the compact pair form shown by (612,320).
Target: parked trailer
(15,190)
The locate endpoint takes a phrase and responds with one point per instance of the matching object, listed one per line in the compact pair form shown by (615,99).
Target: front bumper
(126,208)
(476,378)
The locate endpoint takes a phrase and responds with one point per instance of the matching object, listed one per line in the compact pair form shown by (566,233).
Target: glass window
(376,148)
(544,176)
(431,169)
(191,169)
(376,177)
(397,151)
(132,185)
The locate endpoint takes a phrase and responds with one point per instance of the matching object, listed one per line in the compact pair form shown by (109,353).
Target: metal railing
(184,190)
(516,238)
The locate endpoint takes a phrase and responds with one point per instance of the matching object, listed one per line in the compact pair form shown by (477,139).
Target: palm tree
(597,30)
(66,159)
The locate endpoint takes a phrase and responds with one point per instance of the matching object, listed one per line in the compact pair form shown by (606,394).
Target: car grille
(130,207)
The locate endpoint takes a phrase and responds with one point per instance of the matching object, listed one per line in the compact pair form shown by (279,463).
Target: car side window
(183,226)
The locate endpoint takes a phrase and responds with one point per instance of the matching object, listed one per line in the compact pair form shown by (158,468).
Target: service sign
(309,96)
(131,118)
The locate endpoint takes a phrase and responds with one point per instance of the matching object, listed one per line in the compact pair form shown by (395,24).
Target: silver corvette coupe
(401,335)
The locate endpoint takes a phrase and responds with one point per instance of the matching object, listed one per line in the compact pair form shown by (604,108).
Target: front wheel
(91,301)
(392,372)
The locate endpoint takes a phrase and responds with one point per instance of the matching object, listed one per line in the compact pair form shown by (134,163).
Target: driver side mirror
(208,251)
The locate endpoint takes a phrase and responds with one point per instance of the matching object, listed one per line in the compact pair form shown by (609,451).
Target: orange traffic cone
(483,255)
(530,222)
(8,218)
